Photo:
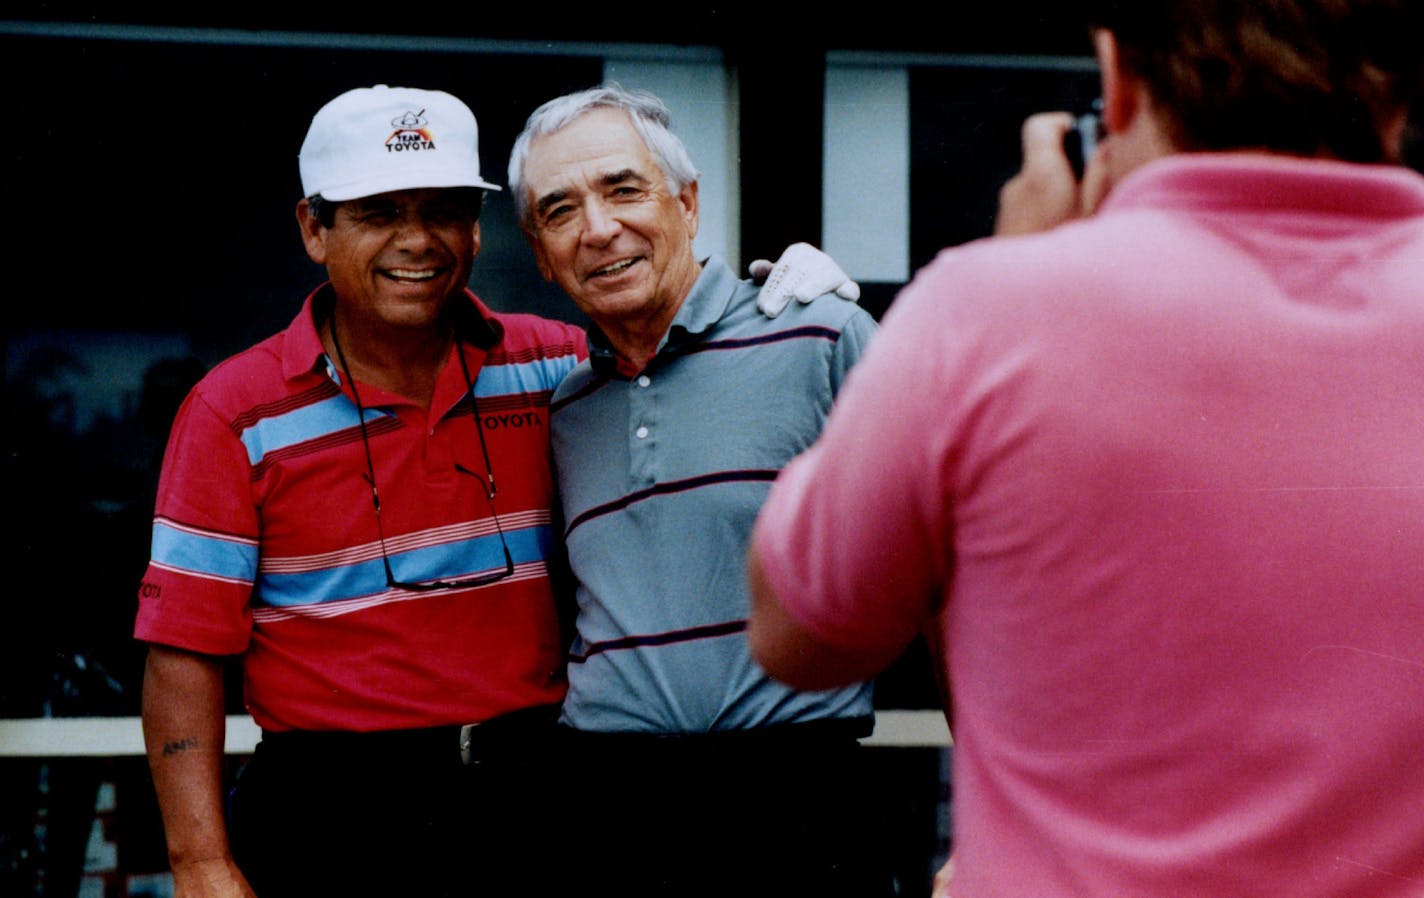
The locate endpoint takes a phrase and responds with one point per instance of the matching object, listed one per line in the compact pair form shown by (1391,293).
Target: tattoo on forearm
(179,745)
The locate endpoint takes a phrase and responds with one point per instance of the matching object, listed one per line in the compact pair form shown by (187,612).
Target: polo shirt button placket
(642,381)
(641,414)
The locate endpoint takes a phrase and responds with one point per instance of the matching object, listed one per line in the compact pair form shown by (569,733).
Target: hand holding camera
(1058,180)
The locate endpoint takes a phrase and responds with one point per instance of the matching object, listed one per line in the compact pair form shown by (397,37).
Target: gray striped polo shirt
(661,477)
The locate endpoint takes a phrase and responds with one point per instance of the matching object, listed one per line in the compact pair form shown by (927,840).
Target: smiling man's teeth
(406,274)
(615,267)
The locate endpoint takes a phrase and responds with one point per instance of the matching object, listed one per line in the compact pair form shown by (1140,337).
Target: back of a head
(1305,77)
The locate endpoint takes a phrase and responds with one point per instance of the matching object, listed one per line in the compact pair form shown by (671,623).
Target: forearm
(184,729)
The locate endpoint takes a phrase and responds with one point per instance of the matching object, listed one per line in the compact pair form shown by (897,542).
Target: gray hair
(649,115)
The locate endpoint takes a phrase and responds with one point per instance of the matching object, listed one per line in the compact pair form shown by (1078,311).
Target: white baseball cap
(376,139)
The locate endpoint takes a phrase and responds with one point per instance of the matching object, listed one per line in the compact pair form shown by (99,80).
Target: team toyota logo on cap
(412,133)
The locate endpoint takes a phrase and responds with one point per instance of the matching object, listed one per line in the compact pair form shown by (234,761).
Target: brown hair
(1297,76)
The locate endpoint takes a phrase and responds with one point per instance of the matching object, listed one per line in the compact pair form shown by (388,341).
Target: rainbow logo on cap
(411,133)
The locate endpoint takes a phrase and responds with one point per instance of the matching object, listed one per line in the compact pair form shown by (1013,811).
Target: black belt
(526,735)
(508,736)
(829,731)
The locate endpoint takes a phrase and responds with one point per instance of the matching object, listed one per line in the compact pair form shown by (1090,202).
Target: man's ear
(688,198)
(475,251)
(1120,96)
(313,232)
(1139,129)
(540,257)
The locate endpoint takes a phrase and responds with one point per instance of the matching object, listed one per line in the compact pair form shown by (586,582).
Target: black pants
(393,814)
(782,812)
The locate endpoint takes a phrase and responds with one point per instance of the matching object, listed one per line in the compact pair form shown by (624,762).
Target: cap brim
(413,180)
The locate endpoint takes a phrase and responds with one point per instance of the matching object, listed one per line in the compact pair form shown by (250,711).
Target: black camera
(1081,140)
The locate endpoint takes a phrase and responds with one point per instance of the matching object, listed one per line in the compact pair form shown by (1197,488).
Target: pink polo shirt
(1162,471)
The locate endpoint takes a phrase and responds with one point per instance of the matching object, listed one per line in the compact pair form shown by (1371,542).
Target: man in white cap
(328,511)
(360,507)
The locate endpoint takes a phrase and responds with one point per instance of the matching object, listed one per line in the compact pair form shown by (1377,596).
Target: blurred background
(152,163)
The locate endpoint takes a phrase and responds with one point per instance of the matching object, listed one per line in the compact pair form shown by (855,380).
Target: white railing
(120,736)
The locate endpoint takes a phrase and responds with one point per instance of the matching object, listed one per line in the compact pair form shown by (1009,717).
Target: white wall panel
(865,208)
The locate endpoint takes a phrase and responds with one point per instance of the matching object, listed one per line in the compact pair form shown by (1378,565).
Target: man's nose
(600,226)
(414,231)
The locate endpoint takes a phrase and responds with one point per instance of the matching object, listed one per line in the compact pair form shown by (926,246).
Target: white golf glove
(802,273)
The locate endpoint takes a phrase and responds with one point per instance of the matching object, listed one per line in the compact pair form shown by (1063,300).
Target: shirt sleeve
(854,537)
(197,590)
(855,338)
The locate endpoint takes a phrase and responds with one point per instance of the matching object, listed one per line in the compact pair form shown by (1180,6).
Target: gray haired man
(695,773)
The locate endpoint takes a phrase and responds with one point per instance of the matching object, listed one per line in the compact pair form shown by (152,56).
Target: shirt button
(642,433)
(644,380)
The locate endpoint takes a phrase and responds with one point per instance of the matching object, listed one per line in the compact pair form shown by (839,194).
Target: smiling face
(394,259)
(605,226)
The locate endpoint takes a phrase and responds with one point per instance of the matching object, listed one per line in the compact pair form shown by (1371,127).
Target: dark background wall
(161,177)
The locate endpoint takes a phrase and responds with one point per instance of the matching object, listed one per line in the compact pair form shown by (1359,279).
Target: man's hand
(217,878)
(802,273)
(1044,193)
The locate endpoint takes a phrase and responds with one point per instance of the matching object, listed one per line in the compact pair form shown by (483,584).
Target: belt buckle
(467,739)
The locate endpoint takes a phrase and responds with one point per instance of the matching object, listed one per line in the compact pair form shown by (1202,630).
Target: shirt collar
(704,307)
(1271,183)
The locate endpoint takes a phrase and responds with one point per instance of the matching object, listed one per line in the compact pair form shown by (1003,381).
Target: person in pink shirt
(1152,478)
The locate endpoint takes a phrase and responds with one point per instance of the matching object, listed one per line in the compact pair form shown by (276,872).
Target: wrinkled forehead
(598,144)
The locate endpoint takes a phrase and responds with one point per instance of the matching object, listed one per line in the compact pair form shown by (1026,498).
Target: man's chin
(416,312)
(623,304)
